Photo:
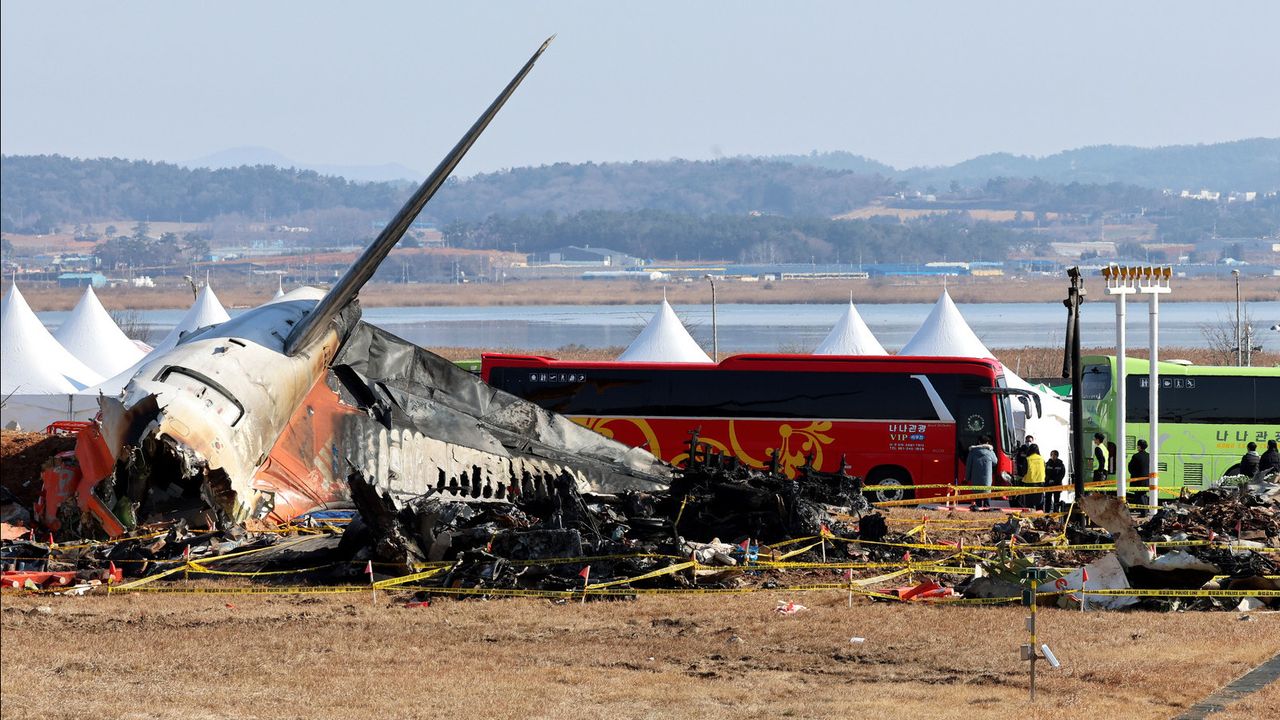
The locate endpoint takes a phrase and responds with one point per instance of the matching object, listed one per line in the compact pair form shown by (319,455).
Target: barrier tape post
(373,589)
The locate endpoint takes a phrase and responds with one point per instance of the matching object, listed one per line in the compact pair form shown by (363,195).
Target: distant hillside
(839,160)
(1241,165)
(725,187)
(41,192)
(255,155)
(38,193)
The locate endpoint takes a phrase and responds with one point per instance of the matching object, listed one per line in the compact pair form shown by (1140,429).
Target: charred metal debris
(716,511)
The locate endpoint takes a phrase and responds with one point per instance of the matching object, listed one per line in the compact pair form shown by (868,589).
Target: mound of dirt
(22,455)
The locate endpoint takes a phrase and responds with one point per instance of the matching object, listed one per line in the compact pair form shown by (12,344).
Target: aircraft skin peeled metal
(268,415)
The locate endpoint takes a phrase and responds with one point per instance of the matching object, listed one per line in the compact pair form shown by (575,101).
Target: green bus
(1207,415)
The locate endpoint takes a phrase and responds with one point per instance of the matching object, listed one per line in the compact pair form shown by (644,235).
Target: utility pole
(1154,281)
(715,336)
(1239,348)
(1120,285)
(1071,369)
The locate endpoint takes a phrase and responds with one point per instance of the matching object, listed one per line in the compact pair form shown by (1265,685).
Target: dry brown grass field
(338,656)
(235,293)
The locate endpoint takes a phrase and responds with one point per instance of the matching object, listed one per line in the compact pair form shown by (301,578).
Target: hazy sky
(907,83)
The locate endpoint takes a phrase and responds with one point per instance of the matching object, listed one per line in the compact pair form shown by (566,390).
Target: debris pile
(711,514)
(719,524)
(1248,513)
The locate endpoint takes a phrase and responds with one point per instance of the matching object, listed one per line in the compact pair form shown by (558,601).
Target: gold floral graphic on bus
(602,426)
(795,444)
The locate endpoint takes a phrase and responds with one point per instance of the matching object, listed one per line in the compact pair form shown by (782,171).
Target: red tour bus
(896,420)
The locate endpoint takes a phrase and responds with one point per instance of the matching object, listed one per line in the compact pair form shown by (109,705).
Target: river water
(774,328)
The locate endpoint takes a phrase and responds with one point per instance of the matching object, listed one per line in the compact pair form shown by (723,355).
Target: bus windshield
(1095,381)
(1010,435)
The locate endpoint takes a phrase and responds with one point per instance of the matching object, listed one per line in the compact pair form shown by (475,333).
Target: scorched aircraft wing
(283,409)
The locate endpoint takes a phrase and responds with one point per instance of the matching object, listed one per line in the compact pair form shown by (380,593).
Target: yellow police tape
(1136,592)
(406,579)
(266,590)
(197,567)
(656,573)
(632,592)
(1004,491)
(186,565)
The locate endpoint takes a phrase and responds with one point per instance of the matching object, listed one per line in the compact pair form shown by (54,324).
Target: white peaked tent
(204,312)
(945,333)
(33,362)
(850,336)
(664,339)
(94,338)
(39,379)
(196,318)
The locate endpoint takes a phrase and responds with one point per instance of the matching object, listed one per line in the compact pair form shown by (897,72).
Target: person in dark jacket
(1055,473)
(1270,459)
(1140,464)
(1101,457)
(1250,462)
(1139,469)
(979,466)
(1020,469)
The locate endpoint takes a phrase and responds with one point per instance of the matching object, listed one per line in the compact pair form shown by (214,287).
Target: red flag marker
(906,557)
(585,574)
(368,568)
(1084,574)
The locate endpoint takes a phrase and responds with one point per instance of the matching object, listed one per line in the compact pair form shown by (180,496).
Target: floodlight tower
(1120,284)
(1154,282)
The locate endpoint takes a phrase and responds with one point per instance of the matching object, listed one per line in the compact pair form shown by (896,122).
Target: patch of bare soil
(339,656)
(22,455)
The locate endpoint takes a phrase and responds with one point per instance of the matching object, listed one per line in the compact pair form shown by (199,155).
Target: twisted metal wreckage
(266,417)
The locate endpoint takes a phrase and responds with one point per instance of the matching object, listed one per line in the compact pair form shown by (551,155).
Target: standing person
(1020,468)
(1100,457)
(979,466)
(1270,459)
(1035,476)
(1250,463)
(1139,469)
(1055,473)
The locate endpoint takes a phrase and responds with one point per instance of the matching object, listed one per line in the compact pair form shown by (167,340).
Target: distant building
(81,279)
(586,255)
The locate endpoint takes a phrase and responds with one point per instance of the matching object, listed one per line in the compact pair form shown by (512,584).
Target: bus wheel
(894,486)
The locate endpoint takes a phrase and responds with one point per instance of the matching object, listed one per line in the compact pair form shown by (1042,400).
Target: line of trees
(752,239)
(41,194)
